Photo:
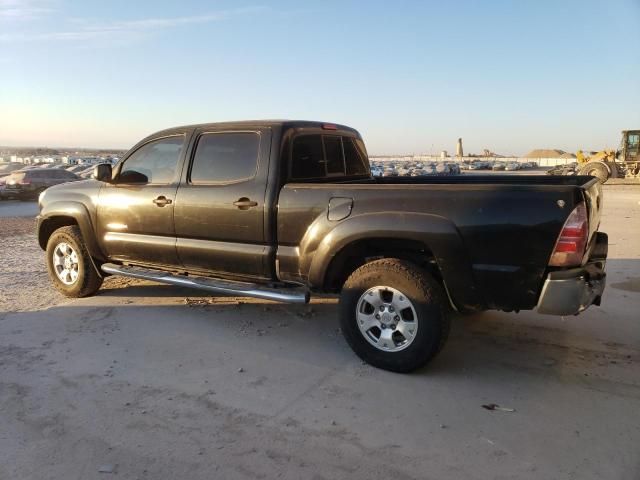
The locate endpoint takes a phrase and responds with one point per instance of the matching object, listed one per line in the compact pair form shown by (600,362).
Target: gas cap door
(339,208)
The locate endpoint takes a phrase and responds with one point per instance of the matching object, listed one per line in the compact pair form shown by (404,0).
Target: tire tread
(432,294)
(90,281)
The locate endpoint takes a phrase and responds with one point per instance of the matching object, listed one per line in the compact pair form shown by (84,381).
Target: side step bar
(225,287)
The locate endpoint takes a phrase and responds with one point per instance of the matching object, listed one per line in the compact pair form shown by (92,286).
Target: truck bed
(551,180)
(491,236)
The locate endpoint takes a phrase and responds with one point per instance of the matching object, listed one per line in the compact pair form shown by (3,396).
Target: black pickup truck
(281,209)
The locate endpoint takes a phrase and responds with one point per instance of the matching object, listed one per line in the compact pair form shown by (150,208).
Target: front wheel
(393,315)
(70,267)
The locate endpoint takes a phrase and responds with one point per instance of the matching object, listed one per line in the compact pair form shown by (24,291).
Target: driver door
(135,212)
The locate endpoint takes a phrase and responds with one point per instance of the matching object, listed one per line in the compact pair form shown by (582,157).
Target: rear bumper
(569,292)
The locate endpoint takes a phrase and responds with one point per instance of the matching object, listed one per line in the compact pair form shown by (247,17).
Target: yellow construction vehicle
(607,164)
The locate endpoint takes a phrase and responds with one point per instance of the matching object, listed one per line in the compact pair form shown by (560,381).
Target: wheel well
(50,225)
(360,252)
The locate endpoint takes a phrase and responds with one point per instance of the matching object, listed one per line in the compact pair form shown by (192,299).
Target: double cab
(282,210)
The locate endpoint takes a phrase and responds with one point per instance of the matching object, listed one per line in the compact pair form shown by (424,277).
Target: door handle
(161,201)
(244,203)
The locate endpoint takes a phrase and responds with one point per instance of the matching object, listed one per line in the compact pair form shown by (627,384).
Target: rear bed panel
(508,229)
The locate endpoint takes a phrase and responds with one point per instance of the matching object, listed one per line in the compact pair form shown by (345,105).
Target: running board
(226,287)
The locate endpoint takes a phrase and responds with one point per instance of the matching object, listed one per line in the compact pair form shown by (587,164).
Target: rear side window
(355,157)
(225,157)
(333,153)
(307,157)
(318,156)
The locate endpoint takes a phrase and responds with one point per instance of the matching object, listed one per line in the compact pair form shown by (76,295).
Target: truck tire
(71,269)
(596,169)
(394,315)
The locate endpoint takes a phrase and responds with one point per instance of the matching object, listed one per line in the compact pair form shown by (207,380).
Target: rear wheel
(393,315)
(596,169)
(70,267)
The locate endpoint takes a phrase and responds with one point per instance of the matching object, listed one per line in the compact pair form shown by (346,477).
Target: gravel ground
(147,381)
(25,284)
(24,279)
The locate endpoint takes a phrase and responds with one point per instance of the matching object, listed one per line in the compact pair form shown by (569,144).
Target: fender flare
(438,234)
(80,214)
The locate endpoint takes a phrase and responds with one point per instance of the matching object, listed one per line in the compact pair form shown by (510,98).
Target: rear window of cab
(321,156)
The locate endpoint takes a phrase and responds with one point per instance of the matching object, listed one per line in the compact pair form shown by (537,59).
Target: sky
(411,76)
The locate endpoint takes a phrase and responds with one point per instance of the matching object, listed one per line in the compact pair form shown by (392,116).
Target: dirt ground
(150,382)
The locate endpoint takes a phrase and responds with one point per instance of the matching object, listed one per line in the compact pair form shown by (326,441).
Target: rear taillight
(572,241)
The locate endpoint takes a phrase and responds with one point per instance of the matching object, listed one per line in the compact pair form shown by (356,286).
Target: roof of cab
(256,123)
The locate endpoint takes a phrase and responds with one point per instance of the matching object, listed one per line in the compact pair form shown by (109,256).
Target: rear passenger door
(220,209)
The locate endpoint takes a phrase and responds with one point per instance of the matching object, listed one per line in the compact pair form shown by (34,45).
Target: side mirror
(102,172)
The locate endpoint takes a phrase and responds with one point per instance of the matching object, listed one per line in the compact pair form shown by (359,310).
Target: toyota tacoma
(280,210)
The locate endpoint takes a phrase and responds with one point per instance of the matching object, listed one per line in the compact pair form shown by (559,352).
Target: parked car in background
(24,184)
(498,166)
(76,168)
(454,168)
(88,170)
(3,185)
(512,166)
(6,168)
(568,169)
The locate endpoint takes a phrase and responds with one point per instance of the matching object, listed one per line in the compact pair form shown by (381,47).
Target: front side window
(225,157)
(154,162)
